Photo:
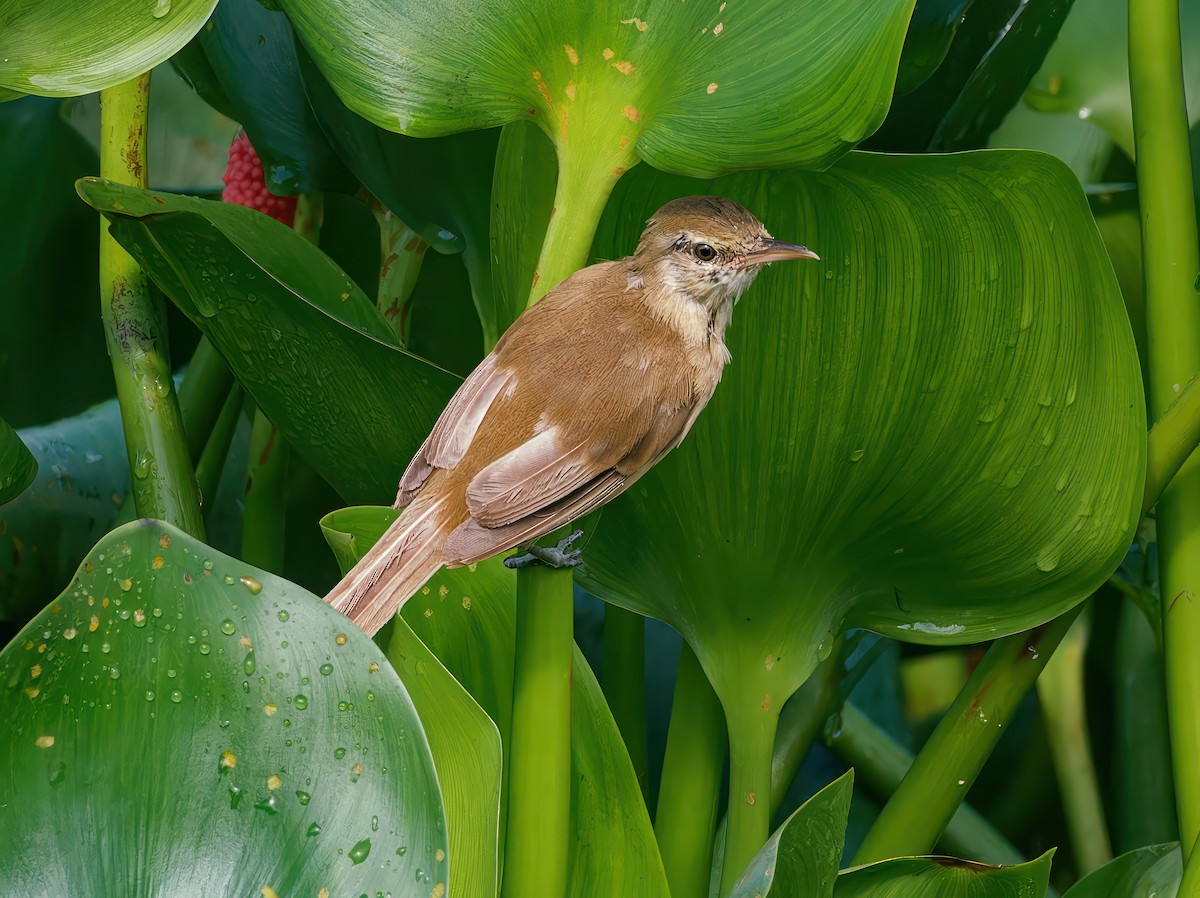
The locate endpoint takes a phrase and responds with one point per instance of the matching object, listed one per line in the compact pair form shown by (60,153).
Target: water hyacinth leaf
(18,467)
(68,49)
(945,877)
(304,341)
(177,699)
(465,616)
(693,88)
(1086,73)
(803,856)
(893,494)
(930,33)
(1151,870)
(251,52)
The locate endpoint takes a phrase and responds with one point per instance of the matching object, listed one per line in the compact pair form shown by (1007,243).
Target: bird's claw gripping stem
(558,556)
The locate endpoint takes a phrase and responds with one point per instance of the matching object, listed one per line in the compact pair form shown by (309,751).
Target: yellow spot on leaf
(139,616)
(104,602)
(228,760)
(35,671)
(712,88)
(624,142)
(718,28)
(340,639)
(631,113)
(324,893)
(43,741)
(274,782)
(356,769)
(126,585)
(439,891)
(373,667)
(270,708)
(157,562)
(562,130)
(32,691)
(87,567)
(618,171)
(571,54)
(751,798)
(439,856)
(268,892)
(466,603)
(443,591)
(70,633)
(429,612)
(537,76)
(766,703)
(93,624)
(608,54)
(624,66)
(569,90)
(245,642)
(641,26)
(165,540)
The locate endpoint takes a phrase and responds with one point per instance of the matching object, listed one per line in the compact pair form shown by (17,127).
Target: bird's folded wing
(455,427)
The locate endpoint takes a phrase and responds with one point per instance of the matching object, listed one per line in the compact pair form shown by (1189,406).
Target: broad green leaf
(803,856)
(994,49)
(18,467)
(930,33)
(944,877)
(251,52)
(67,49)
(1086,73)
(1152,870)
(223,721)
(936,433)
(688,87)
(306,343)
(465,617)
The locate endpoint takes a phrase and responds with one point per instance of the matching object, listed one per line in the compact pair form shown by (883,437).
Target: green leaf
(803,856)
(66,49)
(957,429)
(694,88)
(930,33)
(18,467)
(1086,73)
(251,51)
(465,616)
(224,721)
(945,877)
(1152,870)
(304,341)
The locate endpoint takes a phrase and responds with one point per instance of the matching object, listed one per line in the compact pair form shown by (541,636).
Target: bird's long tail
(408,554)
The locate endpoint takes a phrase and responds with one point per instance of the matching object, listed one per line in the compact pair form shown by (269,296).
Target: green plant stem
(944,771)
(202,395)
(1060,689)
(212,460)
(539,778)
(801,722)
(1189,885)
(401,252)
(1172,439)
(625,682)
(584,185)
(1170,259)
(690,791)
(752,730)
(164,485)
(880,764)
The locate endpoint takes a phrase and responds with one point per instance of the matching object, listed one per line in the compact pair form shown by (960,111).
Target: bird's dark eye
(704,252)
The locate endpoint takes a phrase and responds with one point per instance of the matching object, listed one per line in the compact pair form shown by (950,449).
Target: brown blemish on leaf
(545,92)
(766,703)
(33,692)
(641,26)
(35,671)
(157,562)
(1054,85)
(44,741)
(624,66)
(537,76)
(608,54)
(93,624)
(165,540)
(718,28)
(569,90)
(618,171)
(228,760)
(712,88)
(571,54)
(722,9)
(624,142)
(274,782)
(562,122)
(631,113)
(536,277)
(751,798)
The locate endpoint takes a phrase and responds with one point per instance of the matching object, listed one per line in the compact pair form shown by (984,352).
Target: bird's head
(709,249)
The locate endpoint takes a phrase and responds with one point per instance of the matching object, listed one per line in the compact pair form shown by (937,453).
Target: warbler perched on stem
(585,392)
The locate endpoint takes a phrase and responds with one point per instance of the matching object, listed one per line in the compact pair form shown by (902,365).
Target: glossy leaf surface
(306,343)
(936,433)
(18,467)
(67,49)
(944,877)
(225,721)
(1152,870)
(803,855)
(694,88)
(466,618)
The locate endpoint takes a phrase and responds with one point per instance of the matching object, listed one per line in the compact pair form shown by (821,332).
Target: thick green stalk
(539,776)
(880,763)
(164,486)
(625,682)
(801,722)
(1061,691)
(944,771)
(690,791)
(212,459)
(401,252)
(1170,260)
(752,729)
(1189,885)
(202,394)
(1172,439)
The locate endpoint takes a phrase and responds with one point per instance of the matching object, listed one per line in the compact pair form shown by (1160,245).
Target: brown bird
(581,396)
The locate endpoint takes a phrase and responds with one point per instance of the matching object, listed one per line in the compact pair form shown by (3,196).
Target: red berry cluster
(245,183)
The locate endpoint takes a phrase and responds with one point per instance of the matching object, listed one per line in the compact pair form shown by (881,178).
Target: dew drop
(326,669)
(283,615)
(227,627)
(253,585)
(359,852)
(303,797)
(205,648)
(176,696)
(301,701)
(1047,559)
(857,454)
(314,830)
(160,10)
(339,753)
(248,664)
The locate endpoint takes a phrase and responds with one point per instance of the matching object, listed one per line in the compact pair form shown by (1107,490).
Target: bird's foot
(557,556)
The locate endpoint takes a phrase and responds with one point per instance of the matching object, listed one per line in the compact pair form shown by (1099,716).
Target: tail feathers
(407,555)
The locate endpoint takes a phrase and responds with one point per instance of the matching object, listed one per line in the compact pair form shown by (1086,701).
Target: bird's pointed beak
(777,251)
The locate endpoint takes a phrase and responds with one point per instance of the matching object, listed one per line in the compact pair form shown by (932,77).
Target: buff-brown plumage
(580,397)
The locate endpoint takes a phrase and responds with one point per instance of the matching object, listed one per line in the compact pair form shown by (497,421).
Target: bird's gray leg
(558,556)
